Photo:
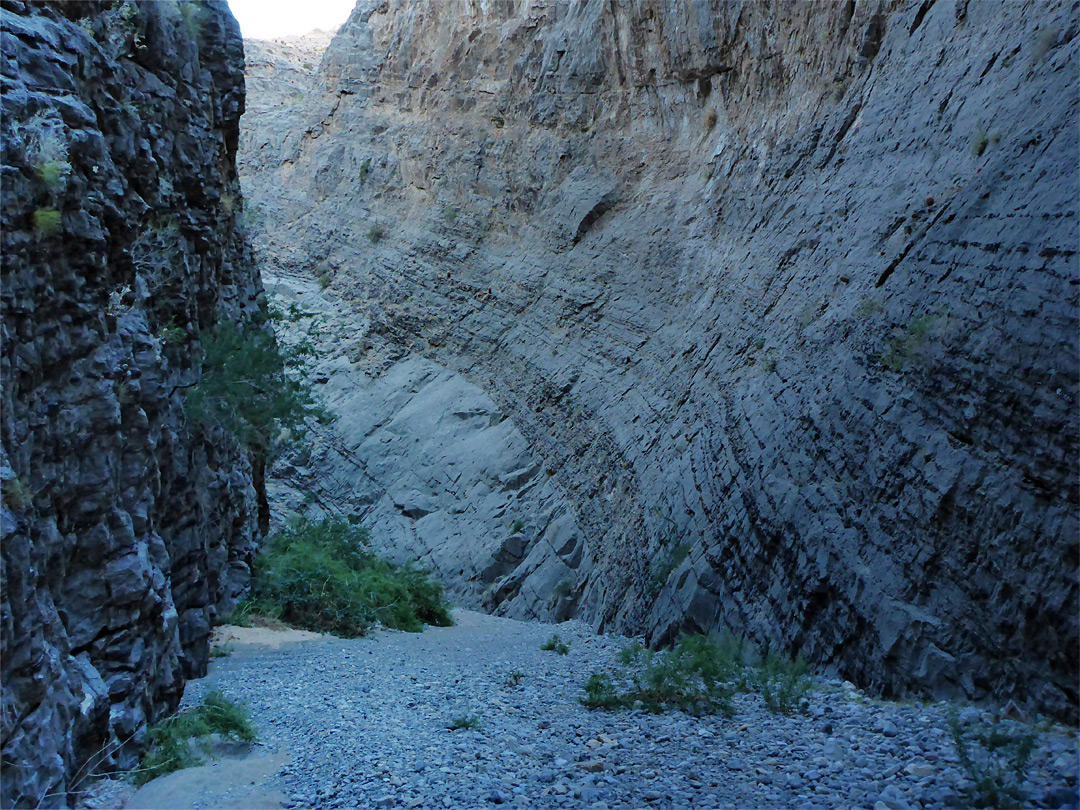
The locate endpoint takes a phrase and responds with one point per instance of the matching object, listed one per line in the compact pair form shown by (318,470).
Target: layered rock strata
(781,296)
(124,529)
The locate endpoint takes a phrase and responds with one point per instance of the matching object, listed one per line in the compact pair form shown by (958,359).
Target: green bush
(783,683)
(47,221)
(664,565)
(322,576)
(698,675)
(908,343)
(556,644)
(244,386)
(170,749)
(600,692)
(465,722)
(995,760)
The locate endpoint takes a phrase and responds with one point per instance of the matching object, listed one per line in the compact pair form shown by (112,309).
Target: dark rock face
(782,296)
(124,531)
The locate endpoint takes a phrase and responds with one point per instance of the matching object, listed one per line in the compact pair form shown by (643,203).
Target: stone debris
(366,723)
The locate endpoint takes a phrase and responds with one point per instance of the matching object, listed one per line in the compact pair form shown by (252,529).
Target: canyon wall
(682,316)
(125,530)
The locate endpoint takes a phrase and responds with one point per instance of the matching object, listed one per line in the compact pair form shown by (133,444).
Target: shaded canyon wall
(125,531)
(774,307)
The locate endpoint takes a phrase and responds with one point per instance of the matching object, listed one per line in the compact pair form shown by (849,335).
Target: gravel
(368,723)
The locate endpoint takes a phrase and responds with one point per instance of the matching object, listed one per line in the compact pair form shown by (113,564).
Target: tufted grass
(170,739)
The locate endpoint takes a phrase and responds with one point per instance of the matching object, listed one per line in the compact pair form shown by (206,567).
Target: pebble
(366,722)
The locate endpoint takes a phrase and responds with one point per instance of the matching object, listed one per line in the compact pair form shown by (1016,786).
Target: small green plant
(365,167)
(450,214)
(517,526)
(192,17)
(17,494)
(693,676)
(698,675)
(979,143)
(325,276)
(513,678)
(241,614)
(662,567)
(375,234)
(867,307)
(995,760)
(784,683)
(170,748)
(903,347)
(464,722)
(322,575)
(171,334)
(600,692)
(47,221)
(556,644)
(54,173)
(562,588)
(217,651)
(245,388)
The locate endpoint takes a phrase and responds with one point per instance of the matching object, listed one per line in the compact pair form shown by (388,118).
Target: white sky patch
(266,19)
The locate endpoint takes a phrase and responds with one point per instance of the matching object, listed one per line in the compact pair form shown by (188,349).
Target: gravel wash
(367,724)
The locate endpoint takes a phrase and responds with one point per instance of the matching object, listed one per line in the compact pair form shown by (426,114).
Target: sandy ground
(231,782)
(229,635)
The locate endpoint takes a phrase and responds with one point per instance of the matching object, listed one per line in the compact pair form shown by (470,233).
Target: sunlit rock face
(758,316)
(124,530)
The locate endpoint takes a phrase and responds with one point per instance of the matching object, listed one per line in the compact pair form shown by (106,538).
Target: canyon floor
(368,723)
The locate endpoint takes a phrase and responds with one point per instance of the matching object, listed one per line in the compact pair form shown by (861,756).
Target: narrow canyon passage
(654,319)
(368,723)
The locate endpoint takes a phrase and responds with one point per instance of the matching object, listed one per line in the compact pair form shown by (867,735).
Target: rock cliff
(124,530)
(679,316)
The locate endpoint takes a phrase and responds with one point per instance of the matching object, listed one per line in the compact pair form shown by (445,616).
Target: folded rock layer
(780,300)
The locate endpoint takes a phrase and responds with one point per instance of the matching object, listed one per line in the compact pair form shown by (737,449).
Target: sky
(266,19)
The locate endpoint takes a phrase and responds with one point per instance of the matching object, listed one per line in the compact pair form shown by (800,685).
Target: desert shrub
(465,722)
(16,494)
(375,234)
(170,748)
(47,221)
(908,343)
(193,17)
(244,386)
(600,692)
(692,676)
(556,644)
(699,675)
(979,143)
(710,120)
(783,683)
(995,761)
(664,564)
(323,576)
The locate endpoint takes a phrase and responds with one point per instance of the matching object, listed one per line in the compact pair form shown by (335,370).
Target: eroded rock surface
(781,297)
(124,530)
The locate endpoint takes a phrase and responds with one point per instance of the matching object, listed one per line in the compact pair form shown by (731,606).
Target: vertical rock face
(782,297)
(124,530)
